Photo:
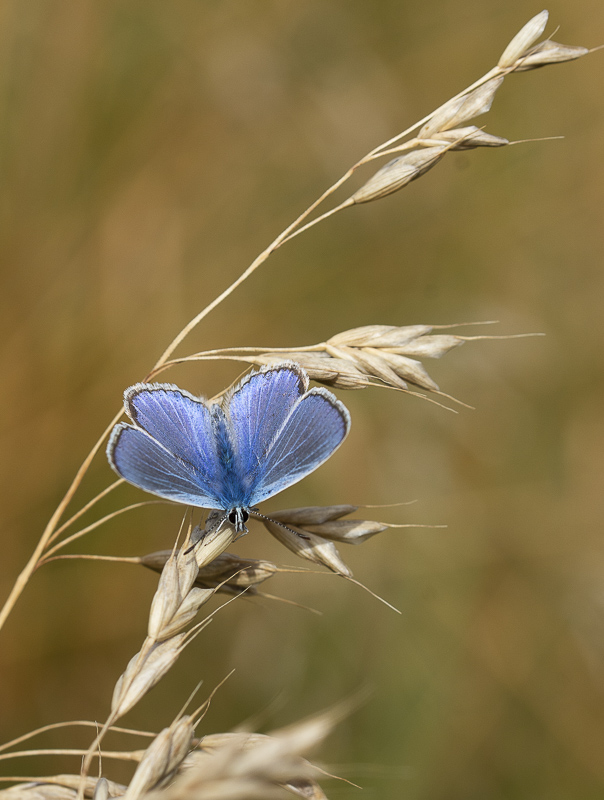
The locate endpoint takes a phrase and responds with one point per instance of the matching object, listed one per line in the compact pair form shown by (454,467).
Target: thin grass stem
(96,524)
(86,508)
(30,567)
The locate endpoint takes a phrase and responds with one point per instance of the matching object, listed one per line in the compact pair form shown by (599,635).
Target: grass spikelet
(369,361)
(398,173)
(525,37)
(467,138)
(309,546)
(144,670)
(213,544)
(101,790)
(327,522)
(175,583)
(226,571)
(242,765)
(162,758)
(322,368)
(549,53)
(312,515)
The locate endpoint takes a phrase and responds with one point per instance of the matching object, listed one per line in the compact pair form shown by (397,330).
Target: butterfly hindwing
(316,426)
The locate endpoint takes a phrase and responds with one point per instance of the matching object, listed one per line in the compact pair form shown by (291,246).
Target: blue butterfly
(266,434)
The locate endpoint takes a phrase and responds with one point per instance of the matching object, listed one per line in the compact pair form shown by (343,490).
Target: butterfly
(264,435)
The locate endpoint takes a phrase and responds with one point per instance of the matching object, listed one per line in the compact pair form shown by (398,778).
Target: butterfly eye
(238,515)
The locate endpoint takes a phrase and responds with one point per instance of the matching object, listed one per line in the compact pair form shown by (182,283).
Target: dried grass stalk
(38,791)
(60,787)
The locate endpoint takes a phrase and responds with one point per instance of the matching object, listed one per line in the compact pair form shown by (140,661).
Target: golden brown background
(149,150)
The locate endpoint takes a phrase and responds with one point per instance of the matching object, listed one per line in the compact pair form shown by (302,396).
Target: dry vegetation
(176,762)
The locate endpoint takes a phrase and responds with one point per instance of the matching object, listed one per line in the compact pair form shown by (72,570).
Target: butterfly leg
(213,524)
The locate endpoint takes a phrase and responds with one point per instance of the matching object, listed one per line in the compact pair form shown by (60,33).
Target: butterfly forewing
(141,460)
(181,425)
(257,410)
(316,426)
(178,421)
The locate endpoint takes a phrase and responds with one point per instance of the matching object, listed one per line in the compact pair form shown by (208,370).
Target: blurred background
(148,152)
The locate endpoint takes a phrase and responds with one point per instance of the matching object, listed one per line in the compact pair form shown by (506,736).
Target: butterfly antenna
(256,514)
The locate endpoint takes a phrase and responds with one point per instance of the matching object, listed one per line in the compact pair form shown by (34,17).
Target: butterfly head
(238,517)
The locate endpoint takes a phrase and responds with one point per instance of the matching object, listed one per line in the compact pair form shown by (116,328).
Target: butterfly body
(266,434)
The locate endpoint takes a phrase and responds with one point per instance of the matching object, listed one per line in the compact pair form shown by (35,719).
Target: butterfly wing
(317,425)
(142,461)
(255,411)
(269,433)
(172,450)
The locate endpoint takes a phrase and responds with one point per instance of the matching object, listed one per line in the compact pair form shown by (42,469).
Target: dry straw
(176,766)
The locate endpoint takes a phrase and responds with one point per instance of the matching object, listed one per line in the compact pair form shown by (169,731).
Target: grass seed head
(379,335)
(549,52)
(398,173)
(308,789)
(177,578)
(347,531)
(322,368)
(311,515)
(234,572)
(187,611)
(226,571)
(372,363)
(309,546)
(144,670)
(459,110)
(368,334)
(525,37)
(325,522)
(429,346)
(236,765)
(407,369)
(214,543)
(101,790)
(162,758)
(339,374)
(468,138)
